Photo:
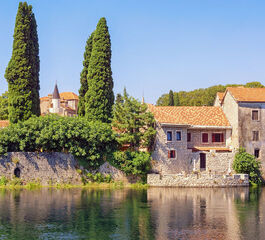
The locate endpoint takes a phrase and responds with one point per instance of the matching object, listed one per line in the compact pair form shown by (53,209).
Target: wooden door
(202,160)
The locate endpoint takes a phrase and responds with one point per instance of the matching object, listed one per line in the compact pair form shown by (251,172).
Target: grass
(17,183)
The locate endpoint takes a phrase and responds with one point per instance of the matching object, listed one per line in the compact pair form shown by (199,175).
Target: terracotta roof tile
(196,116)
(220,96)
(68,95)
(242,94)
(4,123)
(44,98)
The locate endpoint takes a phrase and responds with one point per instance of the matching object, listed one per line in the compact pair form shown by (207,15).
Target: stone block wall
(47,168)
(197,180)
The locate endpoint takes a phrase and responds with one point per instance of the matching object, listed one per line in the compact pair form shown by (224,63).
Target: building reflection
(186,213)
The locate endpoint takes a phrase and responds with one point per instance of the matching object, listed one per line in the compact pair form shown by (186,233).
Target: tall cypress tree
(171,98)
(100,97)
(22,72)
(83,76)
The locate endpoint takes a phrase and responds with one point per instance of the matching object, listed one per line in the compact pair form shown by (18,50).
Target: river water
(156,213)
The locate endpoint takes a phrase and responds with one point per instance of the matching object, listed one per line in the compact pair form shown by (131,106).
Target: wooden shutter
(173,153)
(213,137)
(222,137)
(205,137)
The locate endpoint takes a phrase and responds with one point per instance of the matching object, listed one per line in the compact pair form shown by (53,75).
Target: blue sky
(156,45)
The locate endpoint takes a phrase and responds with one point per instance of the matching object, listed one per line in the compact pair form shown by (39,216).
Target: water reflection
(156,213)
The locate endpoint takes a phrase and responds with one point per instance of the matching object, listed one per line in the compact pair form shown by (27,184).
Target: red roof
(68,95)
(185,115)
(242,94)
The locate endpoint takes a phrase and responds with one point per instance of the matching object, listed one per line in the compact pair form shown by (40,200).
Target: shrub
(3,181)
(132,162)
(87,141)
(247,163)
(97,177)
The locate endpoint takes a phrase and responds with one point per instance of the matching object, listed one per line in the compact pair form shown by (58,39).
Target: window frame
(169,154)
(258,114)
(253,139)
(221,133)
(180,135)
(202,138)
(169,131)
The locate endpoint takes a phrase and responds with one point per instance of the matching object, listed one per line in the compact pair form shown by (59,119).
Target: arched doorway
(17,172)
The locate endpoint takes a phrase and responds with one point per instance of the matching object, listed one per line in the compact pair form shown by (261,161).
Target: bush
(87,141)
(132,162)
(247,163)
(98,177)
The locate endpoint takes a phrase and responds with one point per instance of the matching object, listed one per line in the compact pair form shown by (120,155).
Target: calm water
(156,213)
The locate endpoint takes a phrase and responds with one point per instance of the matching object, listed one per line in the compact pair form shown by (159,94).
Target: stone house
(245,110)
(63,104)
(191,139)
(206,138)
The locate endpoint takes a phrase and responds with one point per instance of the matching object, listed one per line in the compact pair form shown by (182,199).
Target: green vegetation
(247,163)
(171,98)
(87,141)
(4,106)
(132,162)
(99,97)
(22,72)
(200,97)
(97,177)
(133,124)
(83,76)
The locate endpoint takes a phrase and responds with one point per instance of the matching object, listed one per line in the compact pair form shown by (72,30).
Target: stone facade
(197,180)
(186,159)
(47,168)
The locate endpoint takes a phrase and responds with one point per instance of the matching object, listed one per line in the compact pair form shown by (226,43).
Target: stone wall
(197,180)
(216,162)
(47,168)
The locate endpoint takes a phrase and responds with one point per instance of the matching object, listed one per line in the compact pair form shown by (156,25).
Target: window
(217,137)
(256,153)
(189,137)
(171,154)
(205,137)
(255,115)
(178,135)
(169,136)
(255,135)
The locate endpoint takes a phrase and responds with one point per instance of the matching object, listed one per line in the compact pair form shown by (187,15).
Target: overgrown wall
(47,168)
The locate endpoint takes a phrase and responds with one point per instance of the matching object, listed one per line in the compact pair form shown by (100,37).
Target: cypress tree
(171,98)
(100,97)
(22,72)
(176,99)
(83,76)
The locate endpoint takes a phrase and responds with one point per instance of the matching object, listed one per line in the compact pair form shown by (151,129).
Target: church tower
(56,108)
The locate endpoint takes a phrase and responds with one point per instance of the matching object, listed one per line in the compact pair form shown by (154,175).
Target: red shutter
(205,137)
(213,137)
(168,154)
(174,153)
(222,137)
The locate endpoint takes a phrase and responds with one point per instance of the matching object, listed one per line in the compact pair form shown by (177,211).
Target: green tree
(4,106)
(176,99)
(254,85)
(22,72)
(100,97)
(247,163)
(133,123)
(171,98)
(83,76)
(118,98)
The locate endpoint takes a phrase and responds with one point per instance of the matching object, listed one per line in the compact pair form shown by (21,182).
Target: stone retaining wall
(197,180)
(47,168)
